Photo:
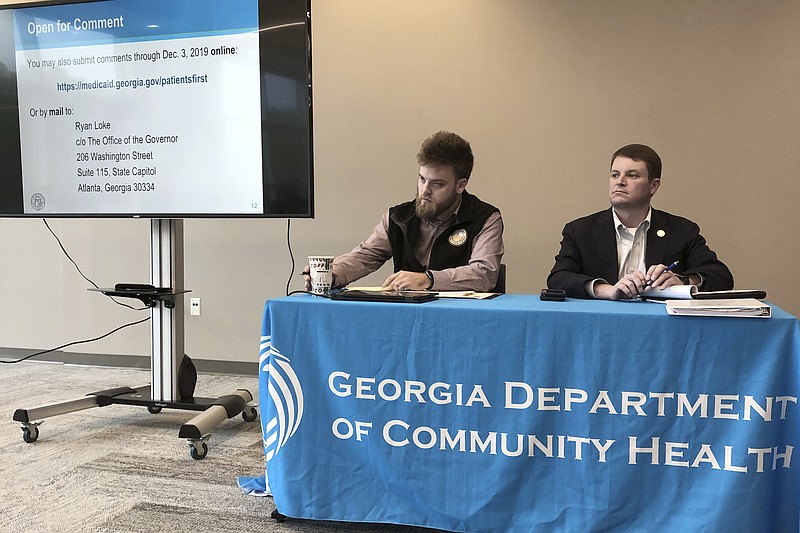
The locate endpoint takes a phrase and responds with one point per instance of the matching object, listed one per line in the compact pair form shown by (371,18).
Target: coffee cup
(321,273)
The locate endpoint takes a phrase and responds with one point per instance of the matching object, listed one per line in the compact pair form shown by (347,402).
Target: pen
(670,268)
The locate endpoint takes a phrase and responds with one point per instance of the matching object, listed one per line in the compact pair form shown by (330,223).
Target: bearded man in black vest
(444,239)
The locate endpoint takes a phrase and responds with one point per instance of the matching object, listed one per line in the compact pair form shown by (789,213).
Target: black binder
(407,297)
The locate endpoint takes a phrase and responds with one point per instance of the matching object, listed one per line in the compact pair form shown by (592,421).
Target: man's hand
(661,277)
(626,288)
(307,277)
(407,281)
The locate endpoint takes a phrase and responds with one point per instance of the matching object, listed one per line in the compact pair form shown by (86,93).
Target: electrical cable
(61,245)
(308,292)
(82,274)
(291,255)
(78,342)
(53,233)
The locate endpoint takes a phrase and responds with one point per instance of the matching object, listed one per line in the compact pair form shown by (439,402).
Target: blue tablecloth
(514,414)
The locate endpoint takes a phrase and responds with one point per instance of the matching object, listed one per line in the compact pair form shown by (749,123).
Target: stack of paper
(744,307)
(673,292)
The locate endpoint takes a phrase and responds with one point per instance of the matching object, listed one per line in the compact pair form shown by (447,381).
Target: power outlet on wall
(194,306)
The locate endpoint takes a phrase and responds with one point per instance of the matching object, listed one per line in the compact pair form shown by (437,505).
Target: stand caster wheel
(198,451)
(278,517)
(249,414)
(30,434)
(153,409)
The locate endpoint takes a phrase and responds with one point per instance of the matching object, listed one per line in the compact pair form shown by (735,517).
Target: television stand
(173,374)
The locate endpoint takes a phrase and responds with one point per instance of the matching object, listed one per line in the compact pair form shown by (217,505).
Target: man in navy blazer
(615,253)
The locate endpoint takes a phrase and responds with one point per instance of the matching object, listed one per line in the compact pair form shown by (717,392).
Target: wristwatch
(430,277)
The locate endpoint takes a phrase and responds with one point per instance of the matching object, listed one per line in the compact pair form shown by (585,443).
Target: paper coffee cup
(320,269)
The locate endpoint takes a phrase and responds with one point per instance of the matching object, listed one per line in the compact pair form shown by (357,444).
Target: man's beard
(429,210)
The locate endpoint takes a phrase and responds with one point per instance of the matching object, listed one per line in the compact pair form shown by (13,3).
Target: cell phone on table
(553,295)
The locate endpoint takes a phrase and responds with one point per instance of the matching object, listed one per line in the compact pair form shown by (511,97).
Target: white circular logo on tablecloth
(285,398)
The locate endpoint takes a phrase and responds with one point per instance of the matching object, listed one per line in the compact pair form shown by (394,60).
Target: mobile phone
(553,295)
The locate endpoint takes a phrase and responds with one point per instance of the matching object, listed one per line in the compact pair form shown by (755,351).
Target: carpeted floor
(121,469)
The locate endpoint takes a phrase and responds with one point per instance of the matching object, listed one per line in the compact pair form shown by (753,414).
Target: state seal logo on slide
(37,201)
(285,404)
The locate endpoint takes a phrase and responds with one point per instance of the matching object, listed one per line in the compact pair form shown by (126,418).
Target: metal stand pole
(166,270)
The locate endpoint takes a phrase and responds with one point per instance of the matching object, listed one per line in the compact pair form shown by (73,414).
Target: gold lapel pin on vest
(458,237)
(661,233)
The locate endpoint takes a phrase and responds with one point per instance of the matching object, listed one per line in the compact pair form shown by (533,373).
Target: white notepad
(673,292)
(735,307)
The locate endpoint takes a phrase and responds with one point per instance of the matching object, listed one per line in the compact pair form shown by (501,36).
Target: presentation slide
(140,106)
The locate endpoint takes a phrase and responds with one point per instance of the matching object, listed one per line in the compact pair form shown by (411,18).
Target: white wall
(544,91)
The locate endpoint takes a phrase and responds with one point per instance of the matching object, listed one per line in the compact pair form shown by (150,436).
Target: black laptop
(383,296)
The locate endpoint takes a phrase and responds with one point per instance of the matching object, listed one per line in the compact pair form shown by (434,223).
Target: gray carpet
(122,469)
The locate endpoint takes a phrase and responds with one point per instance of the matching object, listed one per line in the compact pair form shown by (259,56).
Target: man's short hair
(640,152)
(445,148)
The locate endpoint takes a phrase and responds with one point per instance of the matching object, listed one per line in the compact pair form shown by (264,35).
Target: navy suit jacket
(589,251)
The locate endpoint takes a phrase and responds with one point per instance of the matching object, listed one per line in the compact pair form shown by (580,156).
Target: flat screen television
(157,109)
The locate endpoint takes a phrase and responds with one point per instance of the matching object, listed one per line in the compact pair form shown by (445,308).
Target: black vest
(451,249)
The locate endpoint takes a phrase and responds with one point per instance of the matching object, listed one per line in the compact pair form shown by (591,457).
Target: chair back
(501,280)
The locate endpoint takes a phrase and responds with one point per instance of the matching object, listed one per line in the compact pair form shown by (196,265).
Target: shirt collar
(618,223)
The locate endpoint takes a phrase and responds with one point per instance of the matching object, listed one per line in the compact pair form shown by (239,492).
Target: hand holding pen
(657,278)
